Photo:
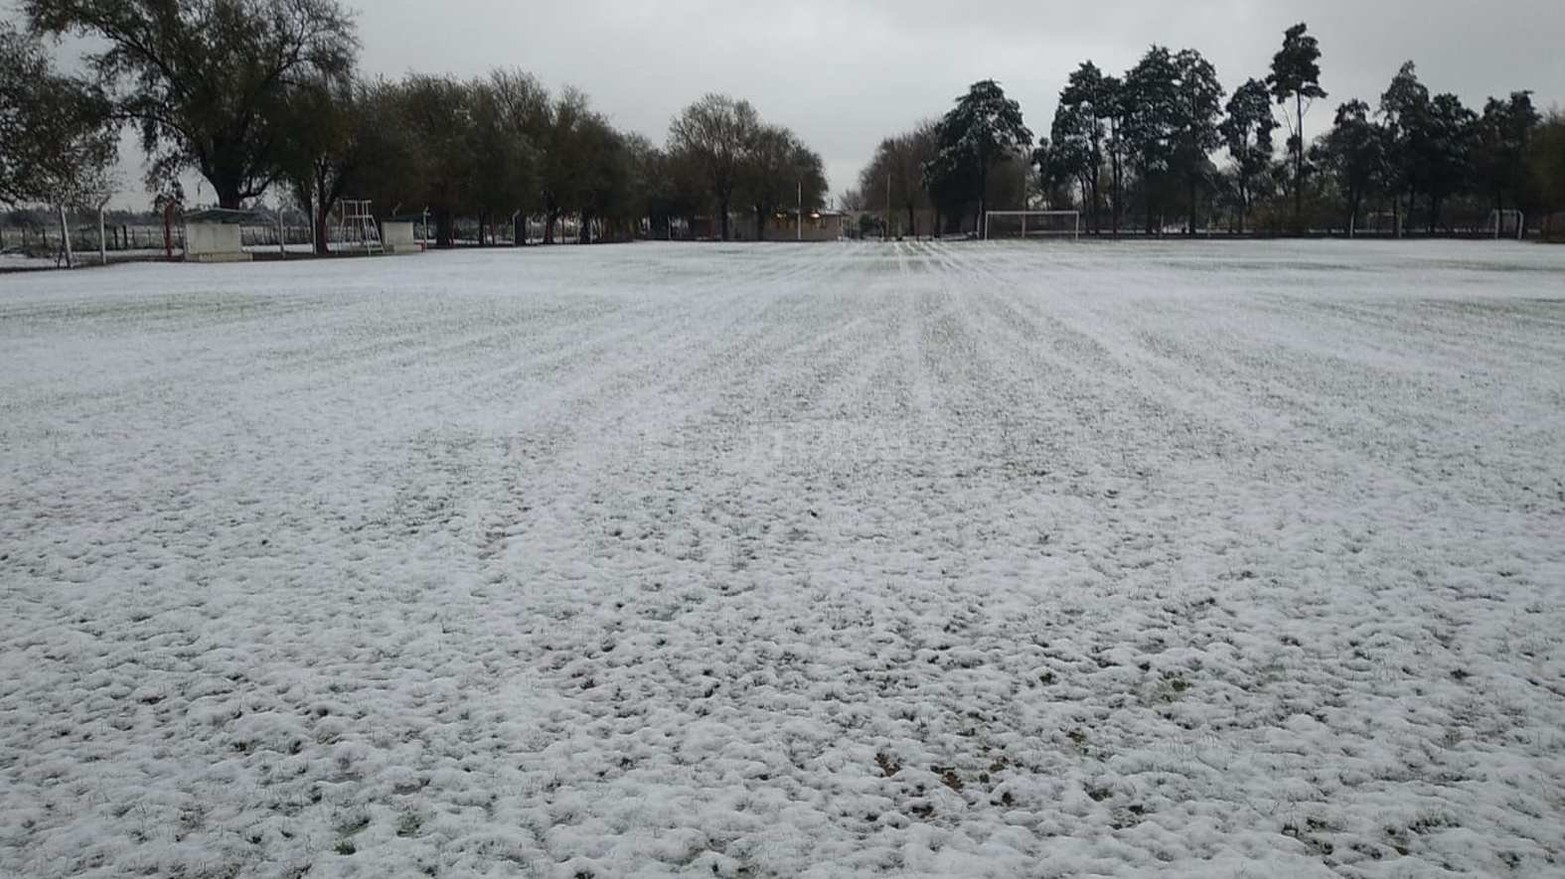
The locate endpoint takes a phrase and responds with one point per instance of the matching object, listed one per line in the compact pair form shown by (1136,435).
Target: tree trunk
(1194,209)
(1244,202)
(227,195)
(1298,165)
(912,220)
(551,216)
(760,224)
(1097,201)
(982,225)
(722,207)
(1150,205)
(319,223)
(443,228)
(1116,170)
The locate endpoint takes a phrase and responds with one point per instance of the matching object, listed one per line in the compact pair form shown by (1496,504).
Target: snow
(1181,559)
(14,261)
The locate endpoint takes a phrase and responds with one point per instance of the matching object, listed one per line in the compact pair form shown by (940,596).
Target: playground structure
(357,229)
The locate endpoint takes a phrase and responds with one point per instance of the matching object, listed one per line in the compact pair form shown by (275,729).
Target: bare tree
(507,108)
(715,133)
(320,158)
(566,133)
(779,170)
(894,179)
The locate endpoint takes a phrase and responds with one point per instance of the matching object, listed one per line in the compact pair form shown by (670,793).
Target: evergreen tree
(1546,162)
(1296,78)
(1069,154)
(1198,105)
(1446,162)
(1152,118)
(1117,110)
(1081,129)
(1354,153)
(1504,142)
(1247,131)
(1403,110)
(984,128)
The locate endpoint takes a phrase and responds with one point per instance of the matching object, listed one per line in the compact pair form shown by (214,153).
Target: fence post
(65,237)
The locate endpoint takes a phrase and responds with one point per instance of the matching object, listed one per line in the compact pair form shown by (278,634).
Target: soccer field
(1239,559)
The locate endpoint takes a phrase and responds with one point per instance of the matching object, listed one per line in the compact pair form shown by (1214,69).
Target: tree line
(262,96)
(1145,146)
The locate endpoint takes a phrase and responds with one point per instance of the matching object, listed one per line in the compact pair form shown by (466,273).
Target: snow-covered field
(1242,559)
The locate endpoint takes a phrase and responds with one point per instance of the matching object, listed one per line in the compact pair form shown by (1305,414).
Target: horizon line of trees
(1145,146)
(261,97)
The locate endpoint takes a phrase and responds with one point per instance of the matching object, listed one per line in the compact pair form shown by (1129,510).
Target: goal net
(1507,224)
(1032,224)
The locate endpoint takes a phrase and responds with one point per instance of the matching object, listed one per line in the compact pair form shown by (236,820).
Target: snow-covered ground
(15,261)
(1241,559)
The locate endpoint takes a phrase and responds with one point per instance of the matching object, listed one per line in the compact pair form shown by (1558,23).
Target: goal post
(1508,224)
(1031,224)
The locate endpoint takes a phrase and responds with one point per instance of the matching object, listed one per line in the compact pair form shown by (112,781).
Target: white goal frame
(1074,232)
(1497,223)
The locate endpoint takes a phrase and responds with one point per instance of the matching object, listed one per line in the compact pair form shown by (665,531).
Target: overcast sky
(845,73)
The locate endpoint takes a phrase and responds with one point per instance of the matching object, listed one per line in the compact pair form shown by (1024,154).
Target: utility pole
(103,241)
(801,211)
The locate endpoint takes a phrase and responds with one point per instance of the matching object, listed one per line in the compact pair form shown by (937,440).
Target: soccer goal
(1032,224)
(1508,224)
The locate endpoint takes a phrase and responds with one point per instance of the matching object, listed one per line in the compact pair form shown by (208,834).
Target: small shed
(397,235)
(213,235)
